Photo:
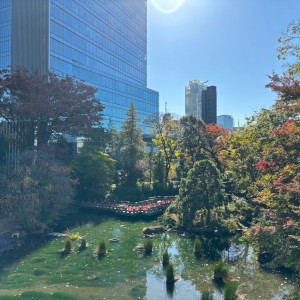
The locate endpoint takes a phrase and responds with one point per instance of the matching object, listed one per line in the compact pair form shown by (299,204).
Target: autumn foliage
(39,108)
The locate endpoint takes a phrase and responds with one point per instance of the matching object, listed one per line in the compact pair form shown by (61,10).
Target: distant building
(201,101)
(226,121)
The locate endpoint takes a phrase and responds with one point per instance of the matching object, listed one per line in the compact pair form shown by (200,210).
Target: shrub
(166,259)
(74,236)
(220,270)
(230,290)
(198,247)
(148,245)
(68,246)
(170,275)
(83,244)
(102,249)
(206,296)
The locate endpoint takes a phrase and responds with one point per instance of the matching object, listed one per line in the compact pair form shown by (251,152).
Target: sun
(173,4)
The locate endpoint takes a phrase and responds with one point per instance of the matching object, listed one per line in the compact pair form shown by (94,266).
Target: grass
(230,290)
(220,270)
(101,249)
(170,275)
(166,259)
(68,246)
(206,295)
(83,244)
(148,245)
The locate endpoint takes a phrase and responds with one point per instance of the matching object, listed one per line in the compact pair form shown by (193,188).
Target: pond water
(125,273)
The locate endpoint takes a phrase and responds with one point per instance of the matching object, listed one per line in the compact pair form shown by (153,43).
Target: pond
(125,273)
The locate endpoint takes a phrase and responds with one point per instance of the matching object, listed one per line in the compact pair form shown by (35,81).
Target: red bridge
(151,207)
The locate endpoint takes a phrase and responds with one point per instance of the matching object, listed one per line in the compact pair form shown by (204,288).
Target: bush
(230,290)
(166,259)
(198,247)
(148,245)
(74,236)
(220,270)
(170,275)
(206,296)
(102,249)
(68,246)
(83,244)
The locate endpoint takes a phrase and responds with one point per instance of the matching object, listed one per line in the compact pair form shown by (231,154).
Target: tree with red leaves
(200,141)
(40,108)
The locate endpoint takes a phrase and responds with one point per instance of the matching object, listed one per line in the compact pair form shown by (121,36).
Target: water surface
(125,273)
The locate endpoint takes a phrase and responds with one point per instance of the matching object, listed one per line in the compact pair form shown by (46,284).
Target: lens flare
(176,6)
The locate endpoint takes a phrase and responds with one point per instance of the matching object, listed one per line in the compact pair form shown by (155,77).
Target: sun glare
(168,6)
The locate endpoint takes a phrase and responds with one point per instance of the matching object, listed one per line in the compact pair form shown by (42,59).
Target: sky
(230,43)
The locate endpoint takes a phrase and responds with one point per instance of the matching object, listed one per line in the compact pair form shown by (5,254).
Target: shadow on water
(35,242)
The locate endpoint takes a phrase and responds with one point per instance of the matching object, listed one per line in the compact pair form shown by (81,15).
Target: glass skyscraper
(103,42)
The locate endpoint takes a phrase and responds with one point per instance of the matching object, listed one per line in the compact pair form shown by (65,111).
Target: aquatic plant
(83,244)
(206,295)
(102,249)
(220,270)
(230,290)
(68,246)
(148,245)
(170,275)
(198,247)
(166,259)
(74,236)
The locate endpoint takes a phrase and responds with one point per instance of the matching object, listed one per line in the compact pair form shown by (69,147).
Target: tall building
(201,101)
(226,121)
(103,43)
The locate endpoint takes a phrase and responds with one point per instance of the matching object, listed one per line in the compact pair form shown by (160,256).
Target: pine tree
(132,145)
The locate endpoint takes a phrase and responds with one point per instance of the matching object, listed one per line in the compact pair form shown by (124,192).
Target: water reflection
(125,273)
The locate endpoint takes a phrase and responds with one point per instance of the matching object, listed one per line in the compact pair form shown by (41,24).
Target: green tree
(95,172)
(202,189)
(290,48)
(166,139)
(132,150)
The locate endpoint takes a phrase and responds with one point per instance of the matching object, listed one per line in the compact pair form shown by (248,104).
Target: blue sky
(231,43)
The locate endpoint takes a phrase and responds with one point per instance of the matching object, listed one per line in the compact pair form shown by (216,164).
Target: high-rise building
(103,43)
(201,101)
(226,121)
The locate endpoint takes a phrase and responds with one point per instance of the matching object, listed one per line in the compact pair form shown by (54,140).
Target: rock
(149,236)
(154,229)
(114,240)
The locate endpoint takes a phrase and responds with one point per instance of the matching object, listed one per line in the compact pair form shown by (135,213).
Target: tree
(166,139)
(132,146)
(39,108)
(290,48)
(95,173)
(200,141)
(202,189)
(34,190)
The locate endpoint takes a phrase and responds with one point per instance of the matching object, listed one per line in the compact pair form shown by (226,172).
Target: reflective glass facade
(5,33)
(104,43)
